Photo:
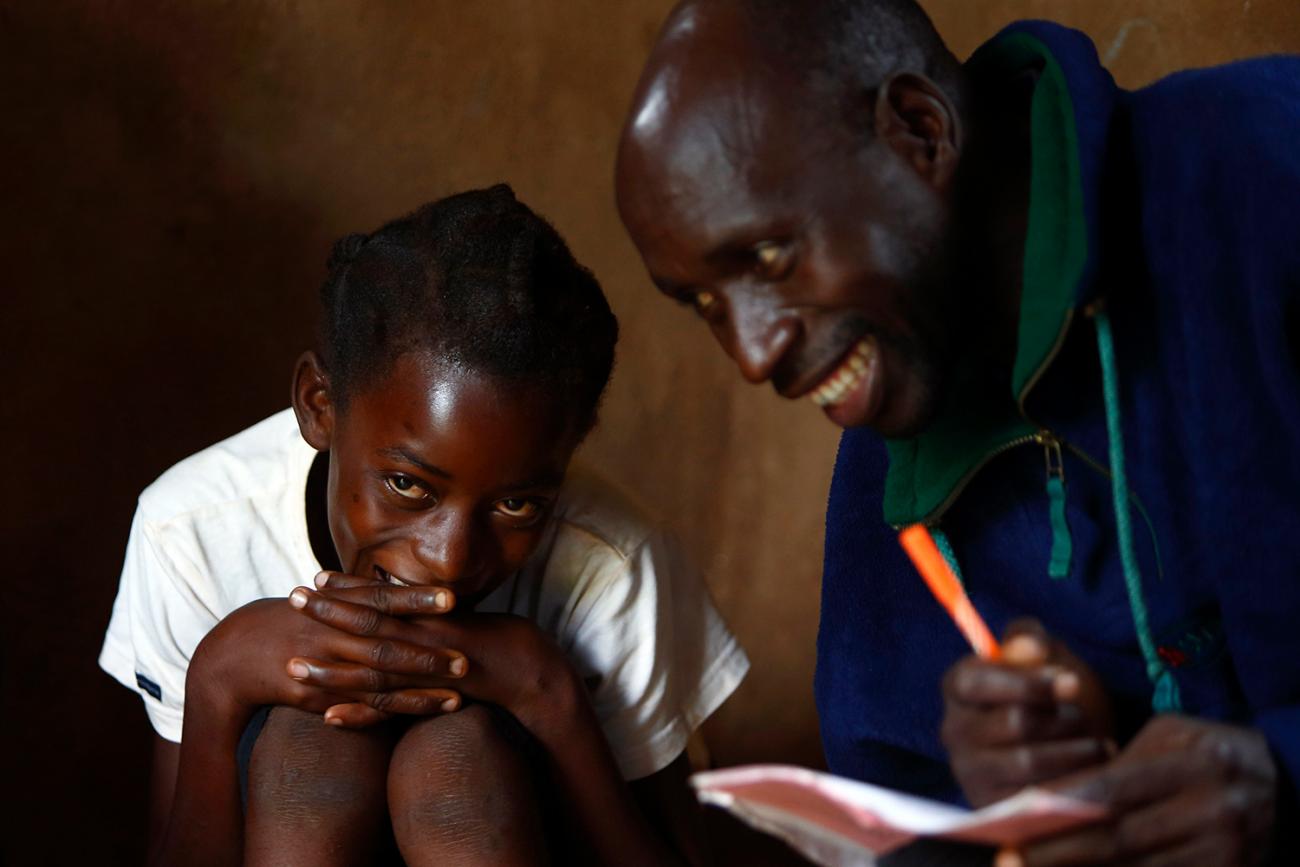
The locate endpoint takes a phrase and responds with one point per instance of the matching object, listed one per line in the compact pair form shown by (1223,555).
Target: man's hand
(498,658)
(1037,714)
(1184,792)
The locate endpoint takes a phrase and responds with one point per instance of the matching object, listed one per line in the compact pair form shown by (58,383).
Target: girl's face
(444,476)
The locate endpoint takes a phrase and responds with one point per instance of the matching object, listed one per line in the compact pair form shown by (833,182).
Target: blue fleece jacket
(1178,206)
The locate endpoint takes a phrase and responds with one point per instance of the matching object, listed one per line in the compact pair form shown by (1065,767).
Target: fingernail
(440,599)
(1023,649)
(333,721)
(1066,685)
(298,598)
(458,666)
(298,669)
(1008,858)
(450,705)
(321,579)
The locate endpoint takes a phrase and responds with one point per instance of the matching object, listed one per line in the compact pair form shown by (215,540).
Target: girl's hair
(478,280)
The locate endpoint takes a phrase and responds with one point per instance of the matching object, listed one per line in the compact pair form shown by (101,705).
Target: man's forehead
(702,120)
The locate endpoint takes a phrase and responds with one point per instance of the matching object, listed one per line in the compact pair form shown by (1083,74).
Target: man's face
(441,476)
(817,259)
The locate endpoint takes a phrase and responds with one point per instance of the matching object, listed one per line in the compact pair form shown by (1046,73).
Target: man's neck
(993,210)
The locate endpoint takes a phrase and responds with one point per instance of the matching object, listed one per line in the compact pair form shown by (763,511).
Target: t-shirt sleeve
(158,619)
(658,656)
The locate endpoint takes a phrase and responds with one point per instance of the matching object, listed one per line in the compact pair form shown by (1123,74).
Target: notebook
(838,822)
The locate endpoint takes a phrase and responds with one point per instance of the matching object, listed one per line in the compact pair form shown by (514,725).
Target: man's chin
(898,417)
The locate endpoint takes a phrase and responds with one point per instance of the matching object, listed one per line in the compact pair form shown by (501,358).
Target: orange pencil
(919,545)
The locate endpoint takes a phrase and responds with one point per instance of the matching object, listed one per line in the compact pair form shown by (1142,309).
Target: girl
(492,646)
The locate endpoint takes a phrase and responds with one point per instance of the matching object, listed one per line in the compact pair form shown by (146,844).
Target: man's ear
(313,402)
(915,118)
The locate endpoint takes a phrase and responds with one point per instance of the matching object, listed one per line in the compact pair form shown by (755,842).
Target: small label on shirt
(148,686)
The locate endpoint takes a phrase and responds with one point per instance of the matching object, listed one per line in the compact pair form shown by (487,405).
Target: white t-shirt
(228,525)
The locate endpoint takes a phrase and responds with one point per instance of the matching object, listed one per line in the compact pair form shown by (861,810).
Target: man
(1072,314)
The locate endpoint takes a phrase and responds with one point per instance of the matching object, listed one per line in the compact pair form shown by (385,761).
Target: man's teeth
(845,377)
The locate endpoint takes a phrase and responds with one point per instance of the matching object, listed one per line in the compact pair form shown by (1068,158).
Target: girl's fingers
(350,677)
(354,715)
(416,702)
(421,600)
(394,601)
(339,581)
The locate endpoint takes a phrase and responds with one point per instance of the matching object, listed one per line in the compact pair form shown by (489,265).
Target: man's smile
(851,391)
(845,376)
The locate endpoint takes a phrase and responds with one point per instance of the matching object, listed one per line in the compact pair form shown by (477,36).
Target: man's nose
(761,334)
(446,547)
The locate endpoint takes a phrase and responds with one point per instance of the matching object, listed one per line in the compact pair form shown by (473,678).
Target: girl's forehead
(426,407)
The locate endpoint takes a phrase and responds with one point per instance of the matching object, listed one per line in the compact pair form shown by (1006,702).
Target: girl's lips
(389,577)
(852,393)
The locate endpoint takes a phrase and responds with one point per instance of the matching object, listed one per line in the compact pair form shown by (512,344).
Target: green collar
(928,472)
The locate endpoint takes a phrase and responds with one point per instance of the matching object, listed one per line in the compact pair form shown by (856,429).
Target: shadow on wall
(149,288)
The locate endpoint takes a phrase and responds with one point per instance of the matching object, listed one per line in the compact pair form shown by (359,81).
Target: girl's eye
(406,487)
(519,508)
(773,260)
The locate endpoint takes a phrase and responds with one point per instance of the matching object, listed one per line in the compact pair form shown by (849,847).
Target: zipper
(1062,551)
(1046,362)
(932,519)
(1040,437)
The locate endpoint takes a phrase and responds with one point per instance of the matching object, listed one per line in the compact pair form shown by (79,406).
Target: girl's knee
(302,767)
(464,785)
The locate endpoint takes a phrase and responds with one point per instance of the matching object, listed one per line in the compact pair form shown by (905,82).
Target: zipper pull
(1058,566)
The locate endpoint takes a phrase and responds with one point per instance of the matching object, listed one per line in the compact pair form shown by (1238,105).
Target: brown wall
(172,176)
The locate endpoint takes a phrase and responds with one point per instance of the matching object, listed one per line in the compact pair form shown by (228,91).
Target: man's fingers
(1010,769)
(1026,642)
(966,725)
(1192,829)
(975,681)
(1127,783)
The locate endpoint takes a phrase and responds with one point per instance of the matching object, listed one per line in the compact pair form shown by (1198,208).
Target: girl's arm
(513,664)
(605,811)
(162,785)
(239,667)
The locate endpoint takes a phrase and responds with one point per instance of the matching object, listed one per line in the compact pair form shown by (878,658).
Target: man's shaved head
(787,168)
(845,48)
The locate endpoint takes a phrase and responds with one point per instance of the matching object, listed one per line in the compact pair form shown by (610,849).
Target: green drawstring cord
(1062,546)
(1166,698)
(945,548)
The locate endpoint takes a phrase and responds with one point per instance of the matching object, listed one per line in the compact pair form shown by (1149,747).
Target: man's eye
(406,487)
(704,302)
(773,260)
(518,507)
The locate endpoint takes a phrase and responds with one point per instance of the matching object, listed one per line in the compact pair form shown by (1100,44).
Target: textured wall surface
(173,174)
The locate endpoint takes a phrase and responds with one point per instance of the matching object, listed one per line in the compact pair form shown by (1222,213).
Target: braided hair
(481,282)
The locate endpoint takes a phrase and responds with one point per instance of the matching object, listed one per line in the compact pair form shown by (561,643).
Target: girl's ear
(313,403)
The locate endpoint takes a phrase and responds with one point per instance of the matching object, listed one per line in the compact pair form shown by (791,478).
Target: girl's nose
(445,547)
